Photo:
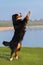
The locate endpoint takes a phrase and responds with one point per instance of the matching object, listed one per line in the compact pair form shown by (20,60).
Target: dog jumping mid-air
(19,31)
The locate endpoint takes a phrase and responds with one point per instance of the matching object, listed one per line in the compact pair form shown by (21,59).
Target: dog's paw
(11,59)
(17,57)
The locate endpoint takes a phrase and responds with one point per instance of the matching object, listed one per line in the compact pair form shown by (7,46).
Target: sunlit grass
(27,56)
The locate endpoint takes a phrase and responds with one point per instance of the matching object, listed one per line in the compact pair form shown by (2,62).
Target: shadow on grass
(5,56)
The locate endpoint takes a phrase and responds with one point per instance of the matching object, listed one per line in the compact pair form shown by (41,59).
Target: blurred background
(34,34)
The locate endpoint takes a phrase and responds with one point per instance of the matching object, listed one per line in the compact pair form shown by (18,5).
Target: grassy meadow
(27,56)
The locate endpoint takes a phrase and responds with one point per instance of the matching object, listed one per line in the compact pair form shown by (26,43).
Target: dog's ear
(14,17)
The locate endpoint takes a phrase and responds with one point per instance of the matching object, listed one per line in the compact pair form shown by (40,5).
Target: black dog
(19,26)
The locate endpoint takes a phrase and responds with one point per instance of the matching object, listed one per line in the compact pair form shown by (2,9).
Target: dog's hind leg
(16,54)
(12,55)
(17,51)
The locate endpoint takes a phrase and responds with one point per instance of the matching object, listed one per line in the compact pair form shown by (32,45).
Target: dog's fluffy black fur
(19,26)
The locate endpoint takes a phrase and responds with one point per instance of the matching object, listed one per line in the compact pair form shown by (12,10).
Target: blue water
(32,38)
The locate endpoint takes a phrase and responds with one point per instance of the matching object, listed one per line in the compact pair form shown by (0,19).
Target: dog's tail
(5,43)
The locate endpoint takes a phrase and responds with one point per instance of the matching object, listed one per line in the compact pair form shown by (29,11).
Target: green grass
(27,56)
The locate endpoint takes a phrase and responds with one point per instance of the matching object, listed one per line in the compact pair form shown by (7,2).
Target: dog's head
(16,17)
